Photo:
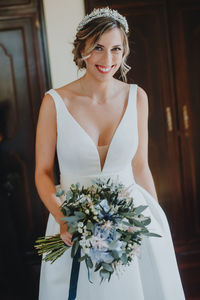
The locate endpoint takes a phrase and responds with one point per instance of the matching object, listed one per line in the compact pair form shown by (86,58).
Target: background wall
(62,18)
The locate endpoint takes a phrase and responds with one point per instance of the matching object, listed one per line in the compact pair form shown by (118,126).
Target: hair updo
(94,30)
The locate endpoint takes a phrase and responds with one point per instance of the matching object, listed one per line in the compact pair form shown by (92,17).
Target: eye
(117,49)
(98,48)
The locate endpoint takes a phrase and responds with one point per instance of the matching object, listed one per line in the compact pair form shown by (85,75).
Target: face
(105,59)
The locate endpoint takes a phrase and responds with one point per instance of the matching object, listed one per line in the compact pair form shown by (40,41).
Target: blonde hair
(94,30)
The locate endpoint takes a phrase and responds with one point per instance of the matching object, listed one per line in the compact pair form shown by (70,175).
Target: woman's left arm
(140,165)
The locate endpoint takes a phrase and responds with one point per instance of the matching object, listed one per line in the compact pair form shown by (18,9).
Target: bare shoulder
(69,90)
(48,105)
(142,100)
(47,113)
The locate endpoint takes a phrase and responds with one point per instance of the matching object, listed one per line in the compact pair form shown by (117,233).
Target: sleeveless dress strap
(134,95)
(59,108)
(56,99)
(133,101)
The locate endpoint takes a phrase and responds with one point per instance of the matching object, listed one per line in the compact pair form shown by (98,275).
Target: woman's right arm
(46,137)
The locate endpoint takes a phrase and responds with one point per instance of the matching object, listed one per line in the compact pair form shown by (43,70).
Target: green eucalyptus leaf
(127,238)
(104,274)
(69,195)
(115,254)
(124,258)
(71,219)
(137,223)
(72,229)
(82,258)
(139,209)
(146,222)
(97,267)
(128,214)
(151,234)
(80,214)
(126,223)
(59,193)
(107,267)
(89,225)
(90,263)
(78,185)
(66,211)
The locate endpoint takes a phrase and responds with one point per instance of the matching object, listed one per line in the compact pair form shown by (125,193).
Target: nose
(107,59)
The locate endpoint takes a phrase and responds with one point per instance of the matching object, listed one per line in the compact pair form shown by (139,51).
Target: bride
(99,126)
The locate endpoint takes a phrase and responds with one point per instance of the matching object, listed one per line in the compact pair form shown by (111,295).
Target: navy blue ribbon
(74,275)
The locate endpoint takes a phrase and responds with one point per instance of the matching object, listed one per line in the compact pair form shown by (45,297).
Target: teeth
(104,69)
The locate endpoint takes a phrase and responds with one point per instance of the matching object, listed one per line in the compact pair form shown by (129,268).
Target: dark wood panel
(5,3)
(186,62)
(16,39)
(185,33)
(24,77)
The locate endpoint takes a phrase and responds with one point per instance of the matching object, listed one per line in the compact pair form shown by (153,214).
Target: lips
(103,69)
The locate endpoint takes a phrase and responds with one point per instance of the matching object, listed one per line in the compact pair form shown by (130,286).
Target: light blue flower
(119,247)
(104,210)
(103,241)
(98,256)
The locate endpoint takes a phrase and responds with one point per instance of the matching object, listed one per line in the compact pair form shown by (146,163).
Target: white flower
(80,224)
(80,230)
(93,210)
(85,233)
(98,243)
(122,226)
(86,250)
(125,220)
(87,211)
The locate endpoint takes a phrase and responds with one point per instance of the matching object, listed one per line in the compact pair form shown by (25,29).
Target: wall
(62,18)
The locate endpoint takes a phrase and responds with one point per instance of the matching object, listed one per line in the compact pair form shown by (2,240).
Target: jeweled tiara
(103,12)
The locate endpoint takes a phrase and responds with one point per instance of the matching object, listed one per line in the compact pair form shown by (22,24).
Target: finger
(66,236)
(68,242)
(66,233)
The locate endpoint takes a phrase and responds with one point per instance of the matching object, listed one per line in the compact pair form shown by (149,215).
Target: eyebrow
(112,46)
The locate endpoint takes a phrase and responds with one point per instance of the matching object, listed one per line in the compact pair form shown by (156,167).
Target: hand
(65,235)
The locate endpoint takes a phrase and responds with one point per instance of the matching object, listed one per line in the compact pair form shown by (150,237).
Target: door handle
(169,119)
(185,117)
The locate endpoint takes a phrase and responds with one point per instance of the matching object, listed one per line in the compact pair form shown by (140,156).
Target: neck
(97,89)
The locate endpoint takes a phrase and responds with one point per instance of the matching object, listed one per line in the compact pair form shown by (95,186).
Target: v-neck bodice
(102,154)
(77,153)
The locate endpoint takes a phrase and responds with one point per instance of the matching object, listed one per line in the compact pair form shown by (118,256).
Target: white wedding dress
(153,274)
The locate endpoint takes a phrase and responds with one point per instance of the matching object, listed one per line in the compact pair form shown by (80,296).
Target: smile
(103,69)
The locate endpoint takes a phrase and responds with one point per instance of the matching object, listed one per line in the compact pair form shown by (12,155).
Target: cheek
(92,59)
(117,60)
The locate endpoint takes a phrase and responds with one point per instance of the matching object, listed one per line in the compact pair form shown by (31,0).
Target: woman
(99,126)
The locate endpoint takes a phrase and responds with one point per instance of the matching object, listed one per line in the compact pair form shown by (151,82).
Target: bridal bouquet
(104,222)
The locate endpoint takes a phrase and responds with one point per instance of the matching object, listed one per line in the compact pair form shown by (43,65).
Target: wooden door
(164,42)
(185,34)
(24,77)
